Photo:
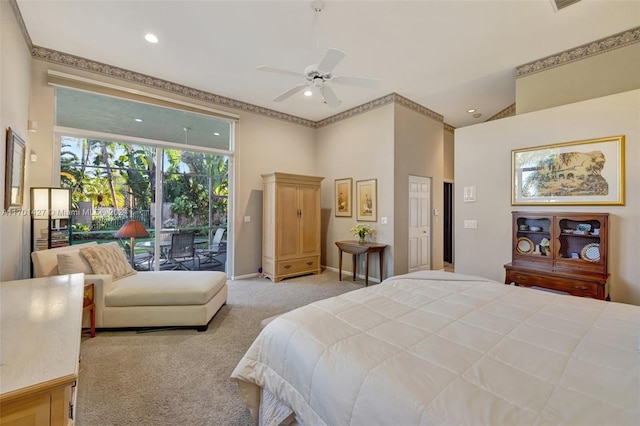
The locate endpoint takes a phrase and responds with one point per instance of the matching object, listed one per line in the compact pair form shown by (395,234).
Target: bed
(444,348)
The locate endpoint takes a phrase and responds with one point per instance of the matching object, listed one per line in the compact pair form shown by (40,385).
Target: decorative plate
(524,245)
(591,252)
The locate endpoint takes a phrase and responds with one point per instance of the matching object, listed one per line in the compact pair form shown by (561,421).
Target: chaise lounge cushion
(167,288)
(72,262)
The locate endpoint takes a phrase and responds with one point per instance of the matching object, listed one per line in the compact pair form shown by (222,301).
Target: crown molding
(449,128)
(509,111)
(380,102)
(581,52)
(21,24)
(53,56)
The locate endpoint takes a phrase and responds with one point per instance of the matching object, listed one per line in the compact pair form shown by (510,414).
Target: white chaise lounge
(145,299)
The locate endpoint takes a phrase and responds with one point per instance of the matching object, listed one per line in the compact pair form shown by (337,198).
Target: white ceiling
(448,56)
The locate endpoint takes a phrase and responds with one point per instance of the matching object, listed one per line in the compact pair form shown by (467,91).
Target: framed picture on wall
(343,197)
(367,200)
(14,171)
(589,172)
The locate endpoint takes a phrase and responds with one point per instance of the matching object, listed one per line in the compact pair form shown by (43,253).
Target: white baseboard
(350,274)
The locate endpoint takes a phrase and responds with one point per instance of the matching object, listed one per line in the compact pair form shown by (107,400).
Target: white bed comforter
(441,348)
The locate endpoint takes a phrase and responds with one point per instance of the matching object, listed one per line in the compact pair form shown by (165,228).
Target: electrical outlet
(247,219)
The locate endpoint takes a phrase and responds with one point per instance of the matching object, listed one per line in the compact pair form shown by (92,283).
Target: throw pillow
(108,259)
(72,262)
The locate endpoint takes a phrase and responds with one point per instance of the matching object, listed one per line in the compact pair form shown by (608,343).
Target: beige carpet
(181,376)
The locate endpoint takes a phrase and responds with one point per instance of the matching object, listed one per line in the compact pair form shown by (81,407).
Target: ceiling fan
(317,75)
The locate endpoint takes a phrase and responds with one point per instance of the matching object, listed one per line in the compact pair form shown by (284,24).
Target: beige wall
(615,71)
(264,145)
(15,85)
(483,160)
(419,151)
(360,148)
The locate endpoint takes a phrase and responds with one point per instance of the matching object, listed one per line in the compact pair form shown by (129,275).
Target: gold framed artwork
(14,171)
(343,198)
(588,172)
(367,200)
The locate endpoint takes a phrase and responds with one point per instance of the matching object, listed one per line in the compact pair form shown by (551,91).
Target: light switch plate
(469,194)
(247,219)
(471,224)
(384,220)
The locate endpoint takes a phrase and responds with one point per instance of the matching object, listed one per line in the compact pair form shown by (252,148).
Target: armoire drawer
(305,264)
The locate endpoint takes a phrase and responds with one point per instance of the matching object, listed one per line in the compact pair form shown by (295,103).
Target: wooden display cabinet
(560,251)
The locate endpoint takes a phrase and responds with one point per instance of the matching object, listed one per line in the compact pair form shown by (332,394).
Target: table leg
(355,266)
(381,263)
(340,265)
(366,270)
(92,321)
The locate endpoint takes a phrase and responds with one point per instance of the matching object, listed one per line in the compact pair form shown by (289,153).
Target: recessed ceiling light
(139,120)
(478,115)
(216,134)
(471,110)
(151,38)
(308,93)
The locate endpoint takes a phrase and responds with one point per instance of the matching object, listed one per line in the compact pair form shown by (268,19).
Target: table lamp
(132,229)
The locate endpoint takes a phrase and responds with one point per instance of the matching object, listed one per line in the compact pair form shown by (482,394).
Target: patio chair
(183,250)
(216,248)
(139,259)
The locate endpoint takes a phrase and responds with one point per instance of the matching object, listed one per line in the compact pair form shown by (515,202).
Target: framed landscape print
(14,171)
(367,200)
(589,172)
(343,197)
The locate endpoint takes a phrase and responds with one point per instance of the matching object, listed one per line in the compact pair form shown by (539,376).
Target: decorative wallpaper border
(581,52)
(509,111)
(50,55)
(377,103)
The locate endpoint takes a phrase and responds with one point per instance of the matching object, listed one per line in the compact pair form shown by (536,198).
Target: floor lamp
(132,229)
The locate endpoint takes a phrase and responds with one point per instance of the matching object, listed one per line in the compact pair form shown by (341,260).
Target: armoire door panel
(309,220)
(288,213)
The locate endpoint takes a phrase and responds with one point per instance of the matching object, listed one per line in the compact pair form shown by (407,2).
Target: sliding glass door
(112,182)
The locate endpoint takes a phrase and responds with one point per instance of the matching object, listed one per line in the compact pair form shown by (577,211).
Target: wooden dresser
(290,225)
(41,322)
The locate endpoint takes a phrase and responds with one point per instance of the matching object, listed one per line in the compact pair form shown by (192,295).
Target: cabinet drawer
(294,266)
(572,286)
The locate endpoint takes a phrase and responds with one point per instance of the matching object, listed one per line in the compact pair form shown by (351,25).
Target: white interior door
(419,223)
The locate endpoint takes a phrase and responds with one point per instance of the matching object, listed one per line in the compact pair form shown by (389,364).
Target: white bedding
(442,348)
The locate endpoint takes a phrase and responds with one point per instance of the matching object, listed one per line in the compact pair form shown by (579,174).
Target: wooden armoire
(290,225)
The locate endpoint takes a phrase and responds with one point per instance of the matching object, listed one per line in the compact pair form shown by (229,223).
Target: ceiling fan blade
(356,81)
(290,92)
(330,97)
(279,71)
(330,60)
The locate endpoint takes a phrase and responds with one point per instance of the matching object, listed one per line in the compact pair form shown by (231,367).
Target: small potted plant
(361,231)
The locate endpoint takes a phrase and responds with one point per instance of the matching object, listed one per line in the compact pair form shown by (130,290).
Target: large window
(169,169)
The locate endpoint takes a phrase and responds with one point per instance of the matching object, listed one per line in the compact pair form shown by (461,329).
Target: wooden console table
(355,248)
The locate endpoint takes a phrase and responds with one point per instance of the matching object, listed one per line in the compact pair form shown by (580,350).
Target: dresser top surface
(40,327)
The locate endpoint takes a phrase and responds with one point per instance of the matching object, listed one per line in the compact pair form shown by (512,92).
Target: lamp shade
(132,229)
(52,203)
